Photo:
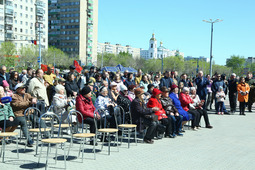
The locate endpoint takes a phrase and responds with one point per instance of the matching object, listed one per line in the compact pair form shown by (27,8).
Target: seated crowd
(161,104)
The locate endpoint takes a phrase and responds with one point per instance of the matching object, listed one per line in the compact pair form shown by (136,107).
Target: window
(21,6)
(31,9)
(31,16)
(26,15)
(151,55)
(151,45)
(26,31)
(15,21)
(26,8)
(31,32)
(15,5)
(20,14)
(21,37)
(20,30)
(26,23)
(21,22)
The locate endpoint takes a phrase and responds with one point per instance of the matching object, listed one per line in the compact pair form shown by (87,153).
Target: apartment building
(22,20)
(73,27)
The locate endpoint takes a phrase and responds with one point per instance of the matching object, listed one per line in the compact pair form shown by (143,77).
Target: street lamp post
(211,22)
(162,61)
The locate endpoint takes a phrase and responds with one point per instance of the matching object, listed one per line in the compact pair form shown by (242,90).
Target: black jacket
(2,78)
(71,87)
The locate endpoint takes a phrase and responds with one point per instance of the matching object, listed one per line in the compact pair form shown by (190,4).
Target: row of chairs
(51,122)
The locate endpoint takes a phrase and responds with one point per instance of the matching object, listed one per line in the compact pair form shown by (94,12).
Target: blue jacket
(202,87)
(216,84)
(166,81)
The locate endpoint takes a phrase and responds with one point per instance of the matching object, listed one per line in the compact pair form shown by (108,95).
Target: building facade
(107,47)
(201,58)
(73,27)
(22,22)
(155,52)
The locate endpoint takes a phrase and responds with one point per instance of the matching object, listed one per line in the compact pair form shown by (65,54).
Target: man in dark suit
(202,83)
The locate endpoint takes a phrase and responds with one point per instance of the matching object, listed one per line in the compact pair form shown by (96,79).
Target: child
(7,90)
(220,95)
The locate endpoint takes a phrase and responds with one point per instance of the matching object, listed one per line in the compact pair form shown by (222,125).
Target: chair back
(124,115)
(34,118)
(73,121)
(100,111)
(50,125)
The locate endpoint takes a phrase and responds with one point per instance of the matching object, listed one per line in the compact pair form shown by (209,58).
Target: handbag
(151,117)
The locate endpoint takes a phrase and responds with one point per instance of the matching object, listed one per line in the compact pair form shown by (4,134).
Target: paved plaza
(229,145)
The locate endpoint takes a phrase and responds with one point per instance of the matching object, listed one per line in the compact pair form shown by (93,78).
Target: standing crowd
(161,104)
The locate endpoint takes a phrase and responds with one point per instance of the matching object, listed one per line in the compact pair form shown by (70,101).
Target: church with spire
(160,52)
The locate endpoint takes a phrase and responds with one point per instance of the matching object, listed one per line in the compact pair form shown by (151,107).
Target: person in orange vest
(243,90)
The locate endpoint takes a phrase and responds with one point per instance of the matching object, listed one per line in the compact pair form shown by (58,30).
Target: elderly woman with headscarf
(162,117)
(186,103)
(139,110)
(60,102)
(198,104)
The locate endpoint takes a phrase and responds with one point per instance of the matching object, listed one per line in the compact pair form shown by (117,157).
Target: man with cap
(139,110)
(232,87)
(20,102)
(85,106)
(72,70)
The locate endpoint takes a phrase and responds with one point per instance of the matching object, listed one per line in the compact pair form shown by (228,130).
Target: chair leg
(129,137)
(117,137)
(103,142)
(79,150)
(94,143)
(83,139)
(37,141)
(122,136)
(64,153)
(109,143)
(69,150)
(40,155)
(3,145)
(56,154)
(135,137)
(17,147)
(47,156)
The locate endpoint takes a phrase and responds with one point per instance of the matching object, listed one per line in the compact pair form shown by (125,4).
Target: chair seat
(62,126)
(7,134)
(38,130)
(54,140)
(84,135)
(46,118)
(108,130)
(127,125)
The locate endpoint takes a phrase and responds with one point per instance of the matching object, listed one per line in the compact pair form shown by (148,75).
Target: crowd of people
(161,104)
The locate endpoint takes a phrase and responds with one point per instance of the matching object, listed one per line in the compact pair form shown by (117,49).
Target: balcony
(90,2)
(9,36)
(9,12)
(9,6)
(9,31)
(9,22)
(40,4)
(40,12)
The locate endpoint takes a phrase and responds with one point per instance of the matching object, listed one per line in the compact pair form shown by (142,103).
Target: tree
(236,63)
(7,54)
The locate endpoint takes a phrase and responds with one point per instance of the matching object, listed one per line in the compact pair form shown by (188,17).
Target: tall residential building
(107,47)
(155,52)
(73,28)
(22,19)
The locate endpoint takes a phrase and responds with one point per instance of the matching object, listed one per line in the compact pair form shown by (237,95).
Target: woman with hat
(85,106)
(171,112)
(154,101)
(174,96)
(139,110)
(113,92)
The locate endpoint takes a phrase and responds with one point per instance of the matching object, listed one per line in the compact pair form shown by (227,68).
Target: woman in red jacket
(186,103)
(85,106)
(162,117)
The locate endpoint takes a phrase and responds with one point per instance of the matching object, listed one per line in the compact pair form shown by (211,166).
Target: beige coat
(37,89)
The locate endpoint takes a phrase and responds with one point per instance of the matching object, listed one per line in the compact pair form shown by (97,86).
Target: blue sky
(179,25)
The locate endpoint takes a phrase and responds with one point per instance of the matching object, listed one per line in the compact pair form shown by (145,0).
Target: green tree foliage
(7,54)
(236,63)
